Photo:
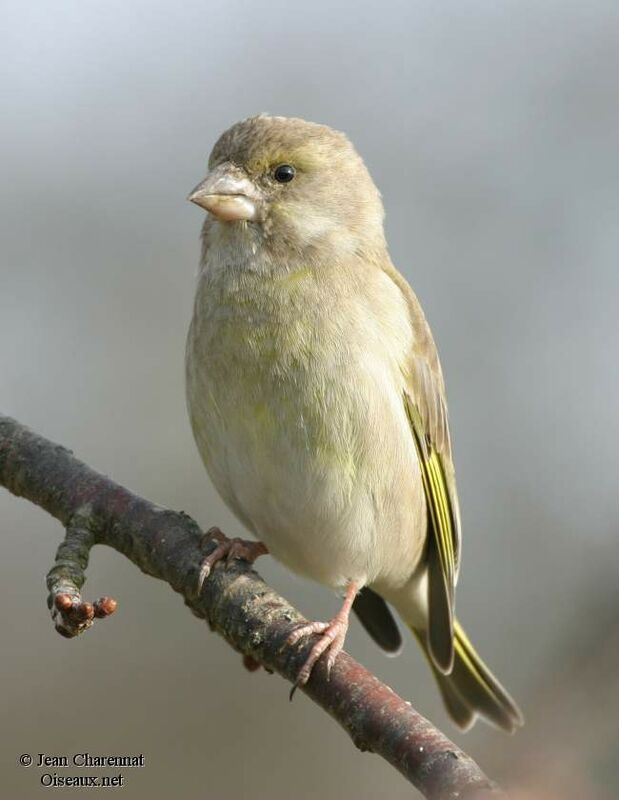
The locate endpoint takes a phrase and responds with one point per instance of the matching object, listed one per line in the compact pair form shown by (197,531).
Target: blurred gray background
(491,129)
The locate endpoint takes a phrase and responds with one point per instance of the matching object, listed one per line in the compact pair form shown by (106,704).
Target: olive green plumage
(316,395)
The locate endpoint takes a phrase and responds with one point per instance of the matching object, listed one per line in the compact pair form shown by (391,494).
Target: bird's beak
(228,194)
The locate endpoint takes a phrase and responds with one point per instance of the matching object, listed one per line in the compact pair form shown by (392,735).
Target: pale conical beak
(228,194)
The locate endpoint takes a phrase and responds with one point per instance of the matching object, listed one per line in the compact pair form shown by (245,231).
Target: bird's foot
(331,641)
(227,549)
(332,636)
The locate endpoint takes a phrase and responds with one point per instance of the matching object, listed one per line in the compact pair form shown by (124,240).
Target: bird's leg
(227,549)
(332,635)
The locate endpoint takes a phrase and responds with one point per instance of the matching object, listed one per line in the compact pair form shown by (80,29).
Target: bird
(317,401)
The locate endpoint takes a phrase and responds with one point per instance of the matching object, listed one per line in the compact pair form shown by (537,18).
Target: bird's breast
(266,376)
(295,401)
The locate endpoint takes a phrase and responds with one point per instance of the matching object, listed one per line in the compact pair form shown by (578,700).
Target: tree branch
(235,601)
(70,613)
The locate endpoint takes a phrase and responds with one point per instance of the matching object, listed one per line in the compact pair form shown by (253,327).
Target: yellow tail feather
(470,689)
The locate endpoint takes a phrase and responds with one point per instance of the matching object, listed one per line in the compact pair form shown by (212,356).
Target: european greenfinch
(317,400)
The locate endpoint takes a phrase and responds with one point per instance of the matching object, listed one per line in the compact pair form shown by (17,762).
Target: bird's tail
(470,689)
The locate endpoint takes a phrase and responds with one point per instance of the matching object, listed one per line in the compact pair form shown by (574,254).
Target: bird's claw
(228,550)
(331,641)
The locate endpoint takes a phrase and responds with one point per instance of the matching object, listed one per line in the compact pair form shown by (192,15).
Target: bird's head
(298,183)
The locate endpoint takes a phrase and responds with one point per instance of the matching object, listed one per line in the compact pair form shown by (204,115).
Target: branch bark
(234,600)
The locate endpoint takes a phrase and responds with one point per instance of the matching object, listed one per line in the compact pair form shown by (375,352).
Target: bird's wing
(426,408)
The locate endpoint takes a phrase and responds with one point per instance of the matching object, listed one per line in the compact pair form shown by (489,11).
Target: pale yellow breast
(294,390)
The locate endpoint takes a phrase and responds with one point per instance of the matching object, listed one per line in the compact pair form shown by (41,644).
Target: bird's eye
(284,173)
